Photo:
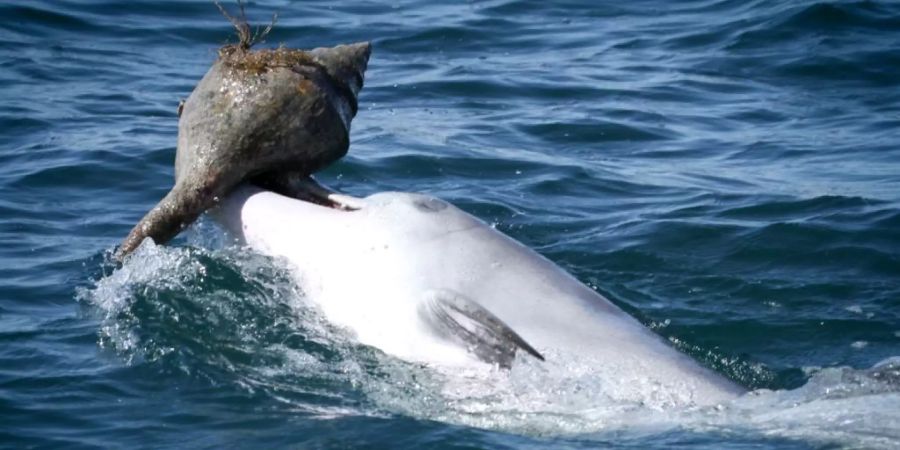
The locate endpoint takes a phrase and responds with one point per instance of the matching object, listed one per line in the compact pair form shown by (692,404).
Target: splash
(230,316)
(837,406)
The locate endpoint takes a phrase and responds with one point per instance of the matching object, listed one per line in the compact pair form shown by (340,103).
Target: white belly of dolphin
(379,270)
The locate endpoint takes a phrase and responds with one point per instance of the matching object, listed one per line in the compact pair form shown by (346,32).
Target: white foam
(838,406)
(149,267)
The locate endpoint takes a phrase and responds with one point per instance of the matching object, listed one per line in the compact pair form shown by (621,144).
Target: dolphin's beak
(307,189)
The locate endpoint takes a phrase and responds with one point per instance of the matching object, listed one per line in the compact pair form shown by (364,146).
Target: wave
(226,316)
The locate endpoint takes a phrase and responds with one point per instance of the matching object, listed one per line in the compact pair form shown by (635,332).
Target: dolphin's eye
(429,204)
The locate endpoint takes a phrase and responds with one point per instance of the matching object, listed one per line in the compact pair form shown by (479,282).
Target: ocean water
(726,171)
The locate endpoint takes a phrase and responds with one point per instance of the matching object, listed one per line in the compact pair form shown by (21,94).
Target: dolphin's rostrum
(256,115)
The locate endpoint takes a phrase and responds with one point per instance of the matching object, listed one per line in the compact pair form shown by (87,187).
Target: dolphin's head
(257,114)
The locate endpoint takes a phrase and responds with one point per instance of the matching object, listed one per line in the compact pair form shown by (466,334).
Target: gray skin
(264,116)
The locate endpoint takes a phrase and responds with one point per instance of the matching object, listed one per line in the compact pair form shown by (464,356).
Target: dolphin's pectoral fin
(461,320)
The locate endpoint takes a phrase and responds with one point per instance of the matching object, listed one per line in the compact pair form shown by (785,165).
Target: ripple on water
(726,171)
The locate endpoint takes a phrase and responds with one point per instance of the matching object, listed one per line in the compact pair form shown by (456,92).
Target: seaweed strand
(246,37)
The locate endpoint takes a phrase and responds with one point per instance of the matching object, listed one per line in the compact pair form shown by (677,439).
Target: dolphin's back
(557,314)
(404,248)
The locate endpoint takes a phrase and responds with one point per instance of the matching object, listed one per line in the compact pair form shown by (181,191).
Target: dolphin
(257,115)
(420,279)
(407,273)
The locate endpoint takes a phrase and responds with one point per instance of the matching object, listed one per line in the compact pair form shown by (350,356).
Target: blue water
(726,171)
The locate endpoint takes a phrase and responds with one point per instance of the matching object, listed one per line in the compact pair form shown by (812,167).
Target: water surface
(726,171)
